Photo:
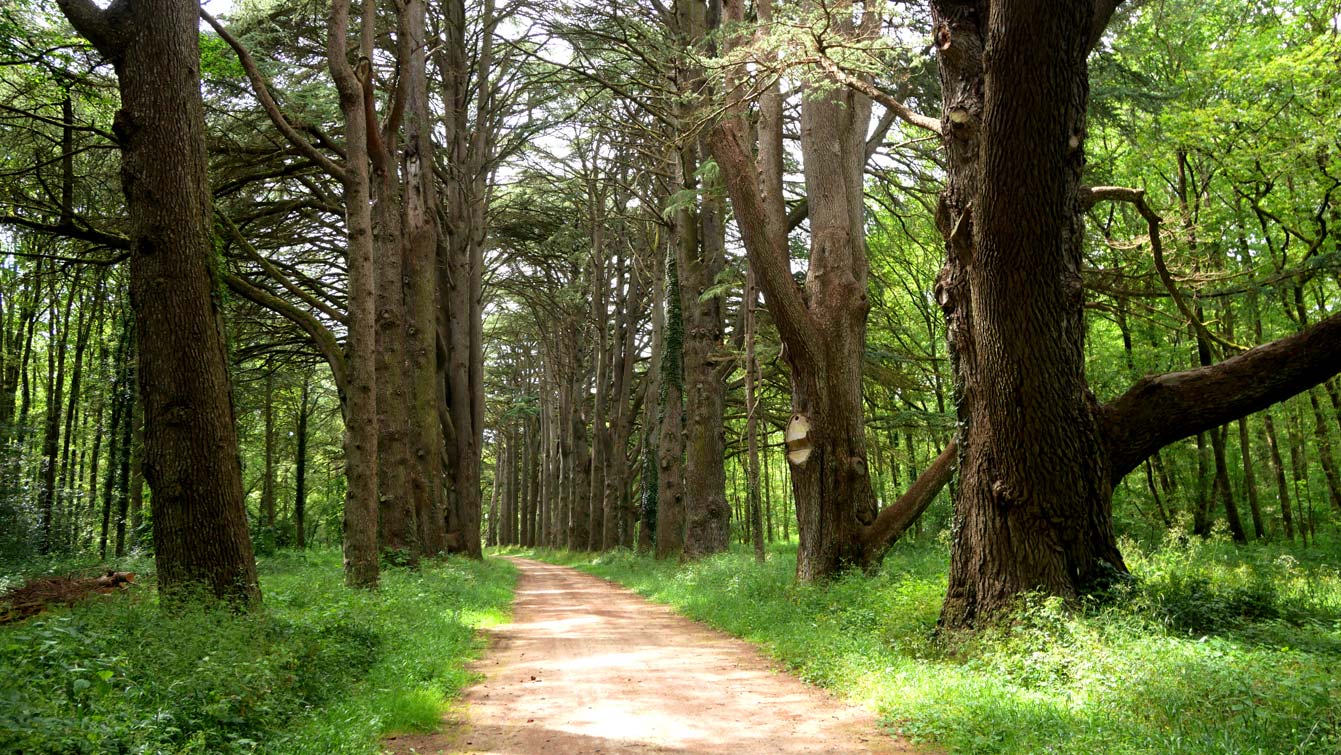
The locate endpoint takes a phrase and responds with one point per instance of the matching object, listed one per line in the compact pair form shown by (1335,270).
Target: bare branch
(1136,197)
(321,336)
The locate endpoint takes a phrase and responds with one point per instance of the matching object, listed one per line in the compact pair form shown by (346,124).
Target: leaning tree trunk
(191,453)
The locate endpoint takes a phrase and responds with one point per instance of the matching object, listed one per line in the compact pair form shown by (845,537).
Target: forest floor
(589,667)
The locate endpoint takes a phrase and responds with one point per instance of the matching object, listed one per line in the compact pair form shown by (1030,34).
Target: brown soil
(588,668)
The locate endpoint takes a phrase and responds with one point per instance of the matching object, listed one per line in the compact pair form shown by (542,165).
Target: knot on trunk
(1006,493)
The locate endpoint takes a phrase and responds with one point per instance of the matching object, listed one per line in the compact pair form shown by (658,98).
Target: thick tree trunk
(421,238)
(191,456)
(824,328)
(460,271)
(1033,508)
(398,526)
(707,516)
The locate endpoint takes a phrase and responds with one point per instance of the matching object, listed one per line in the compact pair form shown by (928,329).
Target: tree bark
(422,236)
(460,270)
(669,529)
(300,466)
(191,451)
(1033,508)
(752,422)
(360,405)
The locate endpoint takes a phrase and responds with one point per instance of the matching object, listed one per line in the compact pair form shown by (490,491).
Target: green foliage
(320,669)
(1211,649)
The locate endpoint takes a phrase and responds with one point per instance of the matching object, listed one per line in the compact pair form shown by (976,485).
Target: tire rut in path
(588,667)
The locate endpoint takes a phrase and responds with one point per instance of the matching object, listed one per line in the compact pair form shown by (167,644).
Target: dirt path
(590,668)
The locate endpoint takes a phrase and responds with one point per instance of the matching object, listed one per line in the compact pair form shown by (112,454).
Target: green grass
(321,669)
(1211,650)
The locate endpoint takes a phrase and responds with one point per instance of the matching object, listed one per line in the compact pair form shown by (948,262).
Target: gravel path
(588,667)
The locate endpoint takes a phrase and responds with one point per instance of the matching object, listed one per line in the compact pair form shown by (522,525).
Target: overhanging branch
(1162,409)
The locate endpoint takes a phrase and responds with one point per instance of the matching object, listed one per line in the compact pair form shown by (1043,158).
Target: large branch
(772,260)
(103,28)
(1161,409)
(258,85)
(69,229)
(321,336)
(896,518)
(275,273)
(862,86)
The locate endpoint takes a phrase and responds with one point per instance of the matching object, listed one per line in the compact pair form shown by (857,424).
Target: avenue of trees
(422,276)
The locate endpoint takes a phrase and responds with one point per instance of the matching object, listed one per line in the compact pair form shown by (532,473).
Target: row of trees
(681,248)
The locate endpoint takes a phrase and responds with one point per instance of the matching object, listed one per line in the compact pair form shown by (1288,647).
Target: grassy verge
(321,670)
(1213,650)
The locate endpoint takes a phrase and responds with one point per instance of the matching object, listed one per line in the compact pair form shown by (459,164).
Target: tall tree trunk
(1013,130)
(1278,468)
(268,474)
(300,466)
(119,398)
(491,525)
(56,348)
(397,524)
(191,450)
(1250,479)
(360,399)
(824,327)
(135,483)
(752,420)
(66,492)
(123,460)
(460,268)
(707,516)
(670,516)
(1299,473)
(420,288)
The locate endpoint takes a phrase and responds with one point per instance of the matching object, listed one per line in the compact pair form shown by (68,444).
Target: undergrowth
(1210,650)
(321,669)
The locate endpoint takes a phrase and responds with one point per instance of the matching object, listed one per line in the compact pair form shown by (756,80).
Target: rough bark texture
(1039,458)
(707,516)
(1033,506)
(360,405)
(824,328)
(191,457)
(669,526)
(460,270)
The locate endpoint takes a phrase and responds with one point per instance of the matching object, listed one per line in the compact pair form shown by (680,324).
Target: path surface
(590,668)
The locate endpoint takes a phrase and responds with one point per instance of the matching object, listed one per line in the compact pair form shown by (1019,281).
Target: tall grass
(320,669)
(1211,650)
